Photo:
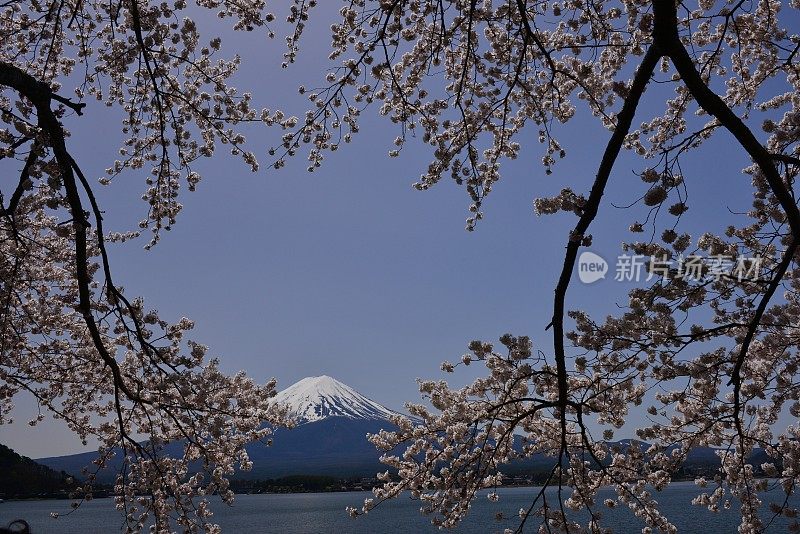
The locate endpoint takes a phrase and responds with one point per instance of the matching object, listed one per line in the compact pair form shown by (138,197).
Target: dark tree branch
(716,107)
(785,158)
(41,96)
(22,185)
(736,374)
(77,107)
(15,145)
(624,120)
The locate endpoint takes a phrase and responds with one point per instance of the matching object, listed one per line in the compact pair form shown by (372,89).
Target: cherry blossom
(713,361)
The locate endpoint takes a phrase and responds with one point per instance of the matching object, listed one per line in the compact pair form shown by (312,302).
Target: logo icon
(591,267)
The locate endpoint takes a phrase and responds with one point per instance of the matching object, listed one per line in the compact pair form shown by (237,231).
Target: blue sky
(351,272)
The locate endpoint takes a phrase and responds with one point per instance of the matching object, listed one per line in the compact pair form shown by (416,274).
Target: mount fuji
(317,397)
(330,438)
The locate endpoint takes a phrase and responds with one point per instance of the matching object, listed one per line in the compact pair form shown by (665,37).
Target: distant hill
(22,477)
(330,440)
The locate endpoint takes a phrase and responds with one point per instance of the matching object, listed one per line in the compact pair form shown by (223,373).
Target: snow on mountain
(317,397)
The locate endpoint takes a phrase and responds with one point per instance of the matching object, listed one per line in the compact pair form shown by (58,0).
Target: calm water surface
(312,513)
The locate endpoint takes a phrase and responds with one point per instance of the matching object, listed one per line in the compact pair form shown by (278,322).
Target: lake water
(312,513)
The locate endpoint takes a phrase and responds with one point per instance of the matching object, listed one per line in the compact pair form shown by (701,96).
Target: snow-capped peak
(317,397)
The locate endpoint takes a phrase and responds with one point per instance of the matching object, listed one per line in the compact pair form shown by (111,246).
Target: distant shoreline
(282,491)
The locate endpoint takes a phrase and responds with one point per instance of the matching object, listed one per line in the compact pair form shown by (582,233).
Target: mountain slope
(333,446)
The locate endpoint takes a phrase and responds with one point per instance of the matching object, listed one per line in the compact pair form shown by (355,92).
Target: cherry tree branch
(40,96)
(624,120)
(715,106)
